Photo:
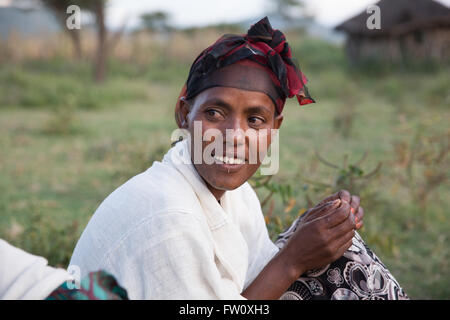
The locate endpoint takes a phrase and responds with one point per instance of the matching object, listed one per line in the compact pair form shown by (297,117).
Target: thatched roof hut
(410,29)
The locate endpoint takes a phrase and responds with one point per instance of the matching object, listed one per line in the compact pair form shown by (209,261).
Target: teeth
(229,160)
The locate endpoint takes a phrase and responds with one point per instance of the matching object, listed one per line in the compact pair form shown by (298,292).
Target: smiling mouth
(228,160)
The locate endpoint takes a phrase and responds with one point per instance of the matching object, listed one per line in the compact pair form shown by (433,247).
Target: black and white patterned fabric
(358,275)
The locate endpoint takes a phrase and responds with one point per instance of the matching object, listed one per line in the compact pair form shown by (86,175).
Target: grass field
(66,143)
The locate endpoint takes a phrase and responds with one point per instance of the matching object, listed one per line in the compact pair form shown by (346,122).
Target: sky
(185,13)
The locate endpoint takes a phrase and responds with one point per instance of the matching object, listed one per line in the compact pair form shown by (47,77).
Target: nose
(235,135)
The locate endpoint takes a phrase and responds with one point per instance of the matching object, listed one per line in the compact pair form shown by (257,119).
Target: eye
(213,114)
(256,121)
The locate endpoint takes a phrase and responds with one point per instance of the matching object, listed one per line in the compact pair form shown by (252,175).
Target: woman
(24,276)
(191,227)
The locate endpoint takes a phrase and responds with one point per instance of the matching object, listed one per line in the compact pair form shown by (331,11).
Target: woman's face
(232,112)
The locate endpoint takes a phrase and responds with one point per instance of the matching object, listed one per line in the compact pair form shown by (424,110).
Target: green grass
(66,143)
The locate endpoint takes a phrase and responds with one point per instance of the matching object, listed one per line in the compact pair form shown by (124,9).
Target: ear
(182,110)
(277,121)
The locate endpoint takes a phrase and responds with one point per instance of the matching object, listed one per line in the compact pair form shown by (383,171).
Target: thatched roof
(400,17)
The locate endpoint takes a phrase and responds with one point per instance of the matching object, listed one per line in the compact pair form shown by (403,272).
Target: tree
(97,8)
(155,21)
(289,9)
(59,7)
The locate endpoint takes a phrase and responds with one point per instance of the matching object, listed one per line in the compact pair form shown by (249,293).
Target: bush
(50,88)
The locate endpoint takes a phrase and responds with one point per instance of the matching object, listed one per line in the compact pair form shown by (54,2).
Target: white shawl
(164,235)
(26,276)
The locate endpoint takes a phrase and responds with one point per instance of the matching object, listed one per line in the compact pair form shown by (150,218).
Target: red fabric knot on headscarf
(263,45)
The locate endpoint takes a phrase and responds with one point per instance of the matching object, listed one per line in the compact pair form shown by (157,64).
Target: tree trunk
(102,54)
(76,41)
(74,34)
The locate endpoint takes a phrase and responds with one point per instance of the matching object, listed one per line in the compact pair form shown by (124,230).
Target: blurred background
(84,110)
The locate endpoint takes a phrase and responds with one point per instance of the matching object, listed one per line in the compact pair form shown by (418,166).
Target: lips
(230,156)
(229,160)
(229,163)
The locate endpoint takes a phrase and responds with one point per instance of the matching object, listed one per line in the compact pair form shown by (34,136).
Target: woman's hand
(354,202)
(321,237)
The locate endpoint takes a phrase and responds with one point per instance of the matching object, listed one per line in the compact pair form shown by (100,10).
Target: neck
(216,192)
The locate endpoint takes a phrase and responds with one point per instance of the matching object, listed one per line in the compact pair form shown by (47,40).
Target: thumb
(342,195)
(322,209)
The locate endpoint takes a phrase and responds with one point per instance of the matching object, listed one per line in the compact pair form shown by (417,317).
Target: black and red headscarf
(261,48)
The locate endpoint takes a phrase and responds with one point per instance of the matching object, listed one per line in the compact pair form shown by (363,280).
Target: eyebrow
(258,109)
(221,103)
(217,102)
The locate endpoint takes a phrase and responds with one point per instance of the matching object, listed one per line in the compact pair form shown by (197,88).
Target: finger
(343,244)
(334,196)
(360,213)
(343,248)
(321,209)
(347,226)
(342,194)
(359,217)
(344,239)
(359,225)
(337,215)
(354,203)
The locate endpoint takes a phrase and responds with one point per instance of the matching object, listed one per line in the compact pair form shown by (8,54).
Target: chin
(227,186)
(225,182)
(220,179)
